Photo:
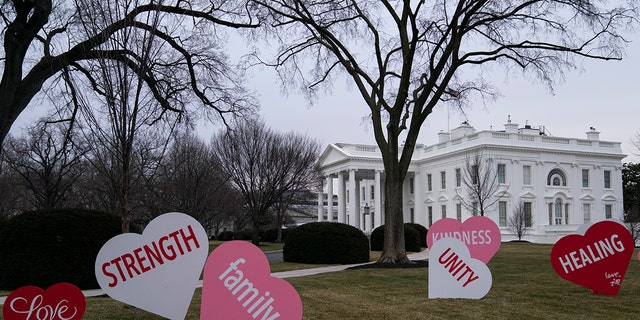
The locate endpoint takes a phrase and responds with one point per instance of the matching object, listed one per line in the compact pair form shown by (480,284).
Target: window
(526,175)
(586,212)
(585,178)
(412,215)
(502,168)
(364,193)
(348,197)
(373,192)
(474,208)
(607,179)
(444,211)
(555,212)
(430,210)
(458,177)
(443,180)
(608,211)
(557,178)
(459,211)
(429,180)
(528,218)
(410,185)
(502,213)
(475,174)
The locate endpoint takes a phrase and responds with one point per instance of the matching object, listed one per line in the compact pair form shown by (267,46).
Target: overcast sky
(601,94)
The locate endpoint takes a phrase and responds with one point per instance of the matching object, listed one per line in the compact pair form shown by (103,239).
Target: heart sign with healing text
(158,270)
(479,233)
(238,285)
(597,260)
(61,301)
(453,273)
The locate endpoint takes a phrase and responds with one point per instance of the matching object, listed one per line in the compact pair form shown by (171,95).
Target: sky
(600,94)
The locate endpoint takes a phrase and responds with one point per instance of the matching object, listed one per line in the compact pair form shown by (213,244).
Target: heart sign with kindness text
(158,270)
(597,260)
(453,273)
(61,301)
(479,233)
(238,285)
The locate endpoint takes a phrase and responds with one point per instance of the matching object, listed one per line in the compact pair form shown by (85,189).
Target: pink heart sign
(158,270)
(479,233)
(453,273)
(597,260)
(61,301)
(238,285)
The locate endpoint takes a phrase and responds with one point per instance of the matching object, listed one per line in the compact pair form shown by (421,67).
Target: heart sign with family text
(597,260)
(479,233)
(61,301)
(238,285)
(453,273)
(157,270)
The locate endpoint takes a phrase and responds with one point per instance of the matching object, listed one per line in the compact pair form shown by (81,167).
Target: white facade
(563,182)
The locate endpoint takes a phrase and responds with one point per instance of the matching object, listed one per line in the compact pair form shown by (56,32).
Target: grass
(524,287)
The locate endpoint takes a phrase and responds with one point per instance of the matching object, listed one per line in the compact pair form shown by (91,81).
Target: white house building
(561,182)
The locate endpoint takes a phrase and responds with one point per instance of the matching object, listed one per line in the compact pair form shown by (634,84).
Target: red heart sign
(598,260)
(61,301)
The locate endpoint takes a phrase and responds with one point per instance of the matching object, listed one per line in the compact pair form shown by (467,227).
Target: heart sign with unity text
(238,285)
(479,233)
(61,301)
(158,270)
(453,273)
(597,260)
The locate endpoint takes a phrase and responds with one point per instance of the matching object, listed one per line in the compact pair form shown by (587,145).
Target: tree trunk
(393,250)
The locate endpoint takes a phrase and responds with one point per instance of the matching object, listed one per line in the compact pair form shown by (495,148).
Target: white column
(353,201)
(367,222)
(418,194)
(342,199)
(329,199)
(320,203)
(377,203)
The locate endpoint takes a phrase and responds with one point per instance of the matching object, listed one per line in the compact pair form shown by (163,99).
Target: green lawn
(524,287)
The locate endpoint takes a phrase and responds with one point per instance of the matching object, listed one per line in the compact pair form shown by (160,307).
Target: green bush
(226,236)
(44,247)
(271,235)
(411,238)
(243,235)
(422,230)
(326,242)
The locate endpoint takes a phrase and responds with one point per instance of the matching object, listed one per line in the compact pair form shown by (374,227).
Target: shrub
(243,235)
(271,235)
(411,238)
(326,242)
(45,247)
(226,236)
(422,230)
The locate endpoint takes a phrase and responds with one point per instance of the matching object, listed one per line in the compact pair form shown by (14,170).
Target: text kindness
(149,256)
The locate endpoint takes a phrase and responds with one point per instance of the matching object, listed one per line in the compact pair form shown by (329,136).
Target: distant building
(562,182)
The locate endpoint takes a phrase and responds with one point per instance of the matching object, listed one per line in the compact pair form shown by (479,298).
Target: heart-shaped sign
(61,301)
(238,285)
(479,233)
(159,270)
(597,260)
(454,274)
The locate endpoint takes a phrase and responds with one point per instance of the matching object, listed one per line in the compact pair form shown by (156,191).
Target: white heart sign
(158,270)
(454,274)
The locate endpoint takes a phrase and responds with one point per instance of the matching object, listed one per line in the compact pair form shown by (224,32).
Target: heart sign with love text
(238,285)
(61,301)
(479,233)
(597,260)
(158,270)
(453,273)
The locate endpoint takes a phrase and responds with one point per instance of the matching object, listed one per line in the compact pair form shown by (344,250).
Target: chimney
(592,134)
(510,127)
(443,136)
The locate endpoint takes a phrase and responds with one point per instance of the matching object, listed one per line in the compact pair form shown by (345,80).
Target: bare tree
(406,57)
(631,198)
(47,161)
(520,222)
(264,165)
(480,180)
(45,44)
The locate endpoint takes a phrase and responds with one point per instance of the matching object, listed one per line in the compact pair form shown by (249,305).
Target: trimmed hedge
(326,242)
(226,236)
(411,239)
(271,235)
(44,247)
(422,230)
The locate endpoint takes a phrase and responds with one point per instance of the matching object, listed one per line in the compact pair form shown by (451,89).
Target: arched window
(557,178)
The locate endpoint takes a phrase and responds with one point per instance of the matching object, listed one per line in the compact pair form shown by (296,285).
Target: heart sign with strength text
(238,285)
(158,270)
(453,273)
(61,301)
(597,260)
(479,233)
